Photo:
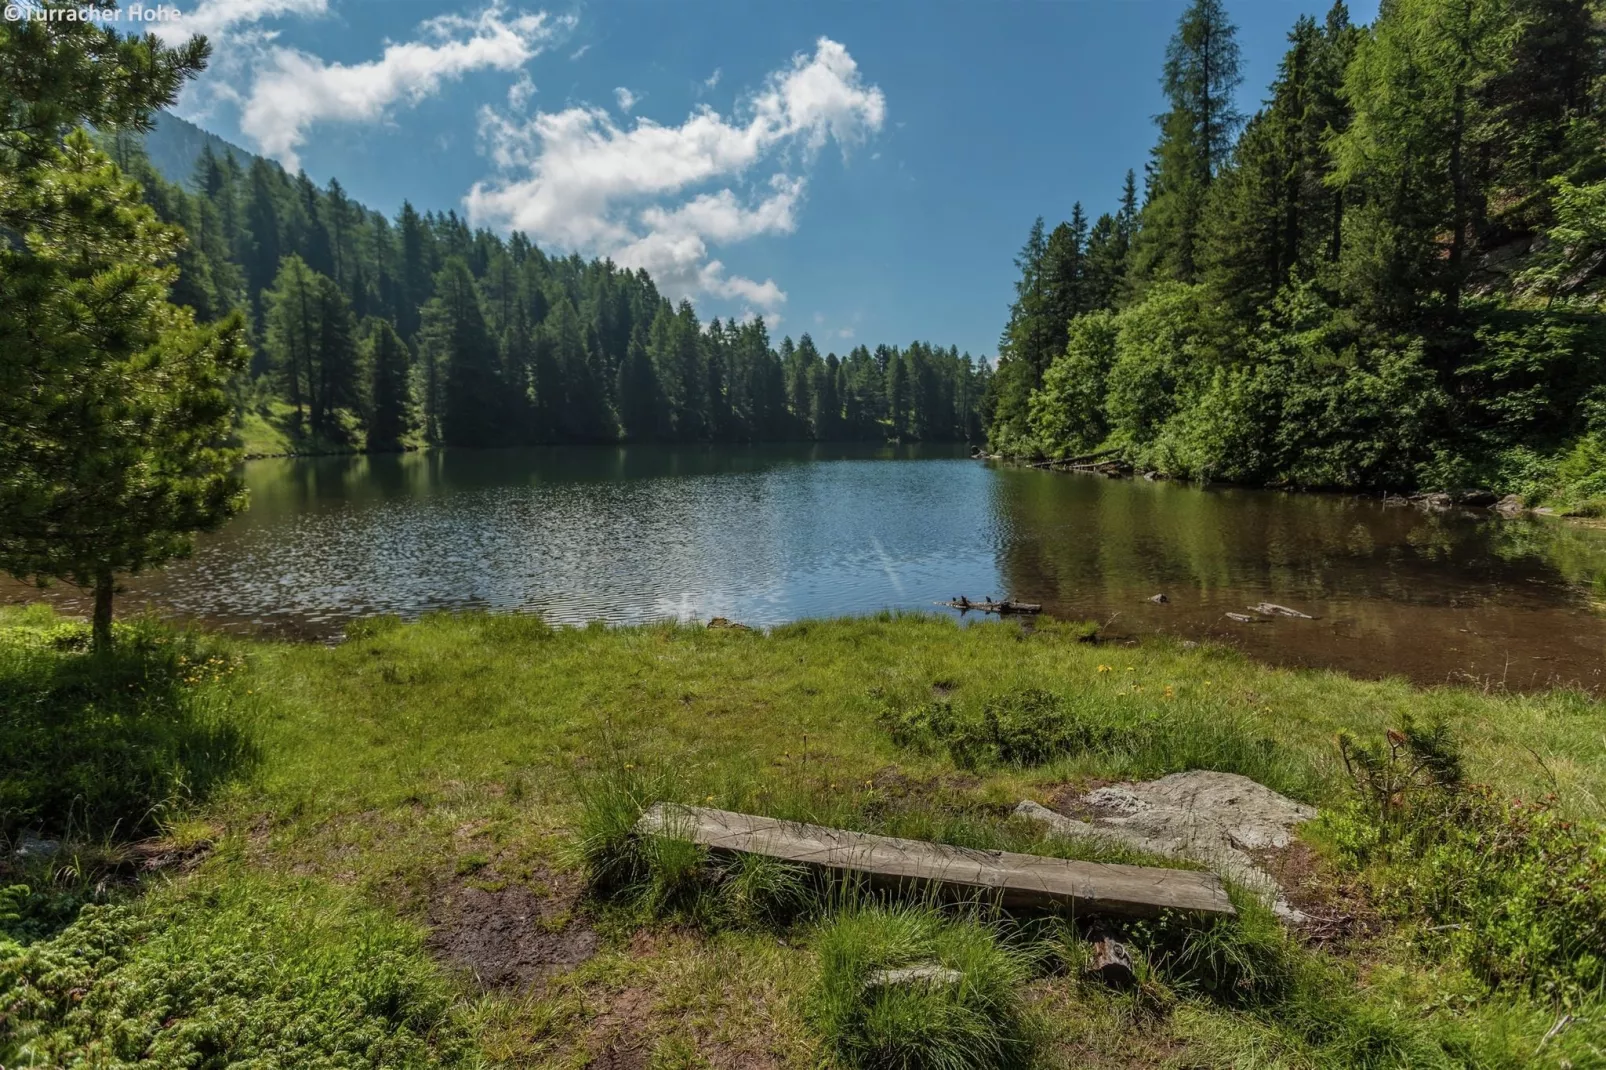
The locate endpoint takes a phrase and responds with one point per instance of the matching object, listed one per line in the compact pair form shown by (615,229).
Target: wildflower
(1170,692)
(1104,668)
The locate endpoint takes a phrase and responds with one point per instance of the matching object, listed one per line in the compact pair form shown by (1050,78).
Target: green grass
(372,778)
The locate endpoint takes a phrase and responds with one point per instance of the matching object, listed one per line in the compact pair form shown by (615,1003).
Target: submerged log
(964,605)
(1272,609)
(1009,879)
(1244,618)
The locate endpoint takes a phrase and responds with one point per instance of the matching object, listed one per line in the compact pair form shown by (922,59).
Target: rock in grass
(1159,599)
(1111,962)
(1207,817)
(30,848)
(928,974)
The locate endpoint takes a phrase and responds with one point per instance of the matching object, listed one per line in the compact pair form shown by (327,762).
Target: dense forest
(1389,276)
(377,333)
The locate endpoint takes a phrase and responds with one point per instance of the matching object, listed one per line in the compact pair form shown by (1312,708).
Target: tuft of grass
(1114,726)
(975,1022)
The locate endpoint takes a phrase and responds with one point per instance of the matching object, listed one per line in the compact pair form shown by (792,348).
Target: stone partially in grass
(902,987)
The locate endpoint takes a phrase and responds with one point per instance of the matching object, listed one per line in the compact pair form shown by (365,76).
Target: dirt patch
(1336,908)
(619,1038)
(513,935)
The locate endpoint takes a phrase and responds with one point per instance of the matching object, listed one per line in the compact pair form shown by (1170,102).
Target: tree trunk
(104,589)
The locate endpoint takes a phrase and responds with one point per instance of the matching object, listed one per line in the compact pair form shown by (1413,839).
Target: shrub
(978,1021)
(1513,890)
(260,974)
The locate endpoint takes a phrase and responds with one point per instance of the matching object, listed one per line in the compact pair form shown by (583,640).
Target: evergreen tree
(467,385)
(389,390)
(1196,138)
(112,424)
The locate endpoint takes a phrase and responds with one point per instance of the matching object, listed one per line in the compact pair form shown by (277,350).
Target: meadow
(411,848)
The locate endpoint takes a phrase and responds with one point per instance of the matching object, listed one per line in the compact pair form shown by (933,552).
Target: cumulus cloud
(291,89)
(215,18)
(625,98)
(578,179)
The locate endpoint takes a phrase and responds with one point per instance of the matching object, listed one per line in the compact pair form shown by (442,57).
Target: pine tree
(111,423)
(467,376)
(291,314)
(1196,138)
(389,391)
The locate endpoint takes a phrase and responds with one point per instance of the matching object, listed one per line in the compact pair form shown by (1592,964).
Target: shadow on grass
(98,747)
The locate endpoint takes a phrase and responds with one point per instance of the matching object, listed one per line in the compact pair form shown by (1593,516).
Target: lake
(771,534)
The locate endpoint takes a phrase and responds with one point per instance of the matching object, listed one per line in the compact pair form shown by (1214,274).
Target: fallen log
(1244,618)
(1012,880)
(963,604)
(1272,609)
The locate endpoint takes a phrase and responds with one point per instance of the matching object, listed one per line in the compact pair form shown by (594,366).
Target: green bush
(977,1021)
(255,974)
(97,745)
(1513,890)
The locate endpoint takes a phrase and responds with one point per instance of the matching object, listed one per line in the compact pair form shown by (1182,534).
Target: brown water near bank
(1464,597)
(767,535)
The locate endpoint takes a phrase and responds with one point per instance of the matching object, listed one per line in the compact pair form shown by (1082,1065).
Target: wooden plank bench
(1012,880)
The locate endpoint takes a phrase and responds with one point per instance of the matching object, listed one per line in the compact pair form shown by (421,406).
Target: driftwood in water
(1011,880)
(1244,618)
(1272,609)
(963,604)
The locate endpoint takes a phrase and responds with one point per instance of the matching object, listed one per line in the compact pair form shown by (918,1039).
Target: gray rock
(31,848)
(928,974)
(1206,817)
(1159,599)
(1511,505)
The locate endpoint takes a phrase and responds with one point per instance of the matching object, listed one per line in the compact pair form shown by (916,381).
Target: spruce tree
(113,409)
(389,389)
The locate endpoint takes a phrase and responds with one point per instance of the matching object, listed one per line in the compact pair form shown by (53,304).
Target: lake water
(767,535)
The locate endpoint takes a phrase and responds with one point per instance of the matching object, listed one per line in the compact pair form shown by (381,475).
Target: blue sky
(861,171)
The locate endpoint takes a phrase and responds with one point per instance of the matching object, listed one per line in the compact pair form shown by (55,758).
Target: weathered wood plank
(1013,880)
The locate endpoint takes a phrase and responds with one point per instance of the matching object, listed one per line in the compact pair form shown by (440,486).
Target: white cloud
(625,98)
(712,80)
(292,89)
(578,179)
(582,50)
(520,92)
(215,17)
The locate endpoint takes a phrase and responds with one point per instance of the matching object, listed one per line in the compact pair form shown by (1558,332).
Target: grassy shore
(386,852)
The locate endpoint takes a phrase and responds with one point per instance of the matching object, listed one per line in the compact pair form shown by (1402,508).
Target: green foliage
(255,972)
(113,743)
(1513,890)
(1391,279)
(977,1022)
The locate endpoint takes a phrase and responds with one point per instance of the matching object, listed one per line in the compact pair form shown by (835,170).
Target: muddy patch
(620,1037)
(513,935)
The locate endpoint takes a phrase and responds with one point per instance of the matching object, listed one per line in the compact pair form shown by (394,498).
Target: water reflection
(766,535)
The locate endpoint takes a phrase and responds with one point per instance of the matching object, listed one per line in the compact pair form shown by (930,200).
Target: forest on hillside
(379,333)
(1390,275)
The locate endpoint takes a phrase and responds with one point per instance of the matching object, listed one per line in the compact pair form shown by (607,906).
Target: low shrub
(1513,890)
(977,1021)
(262,974)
